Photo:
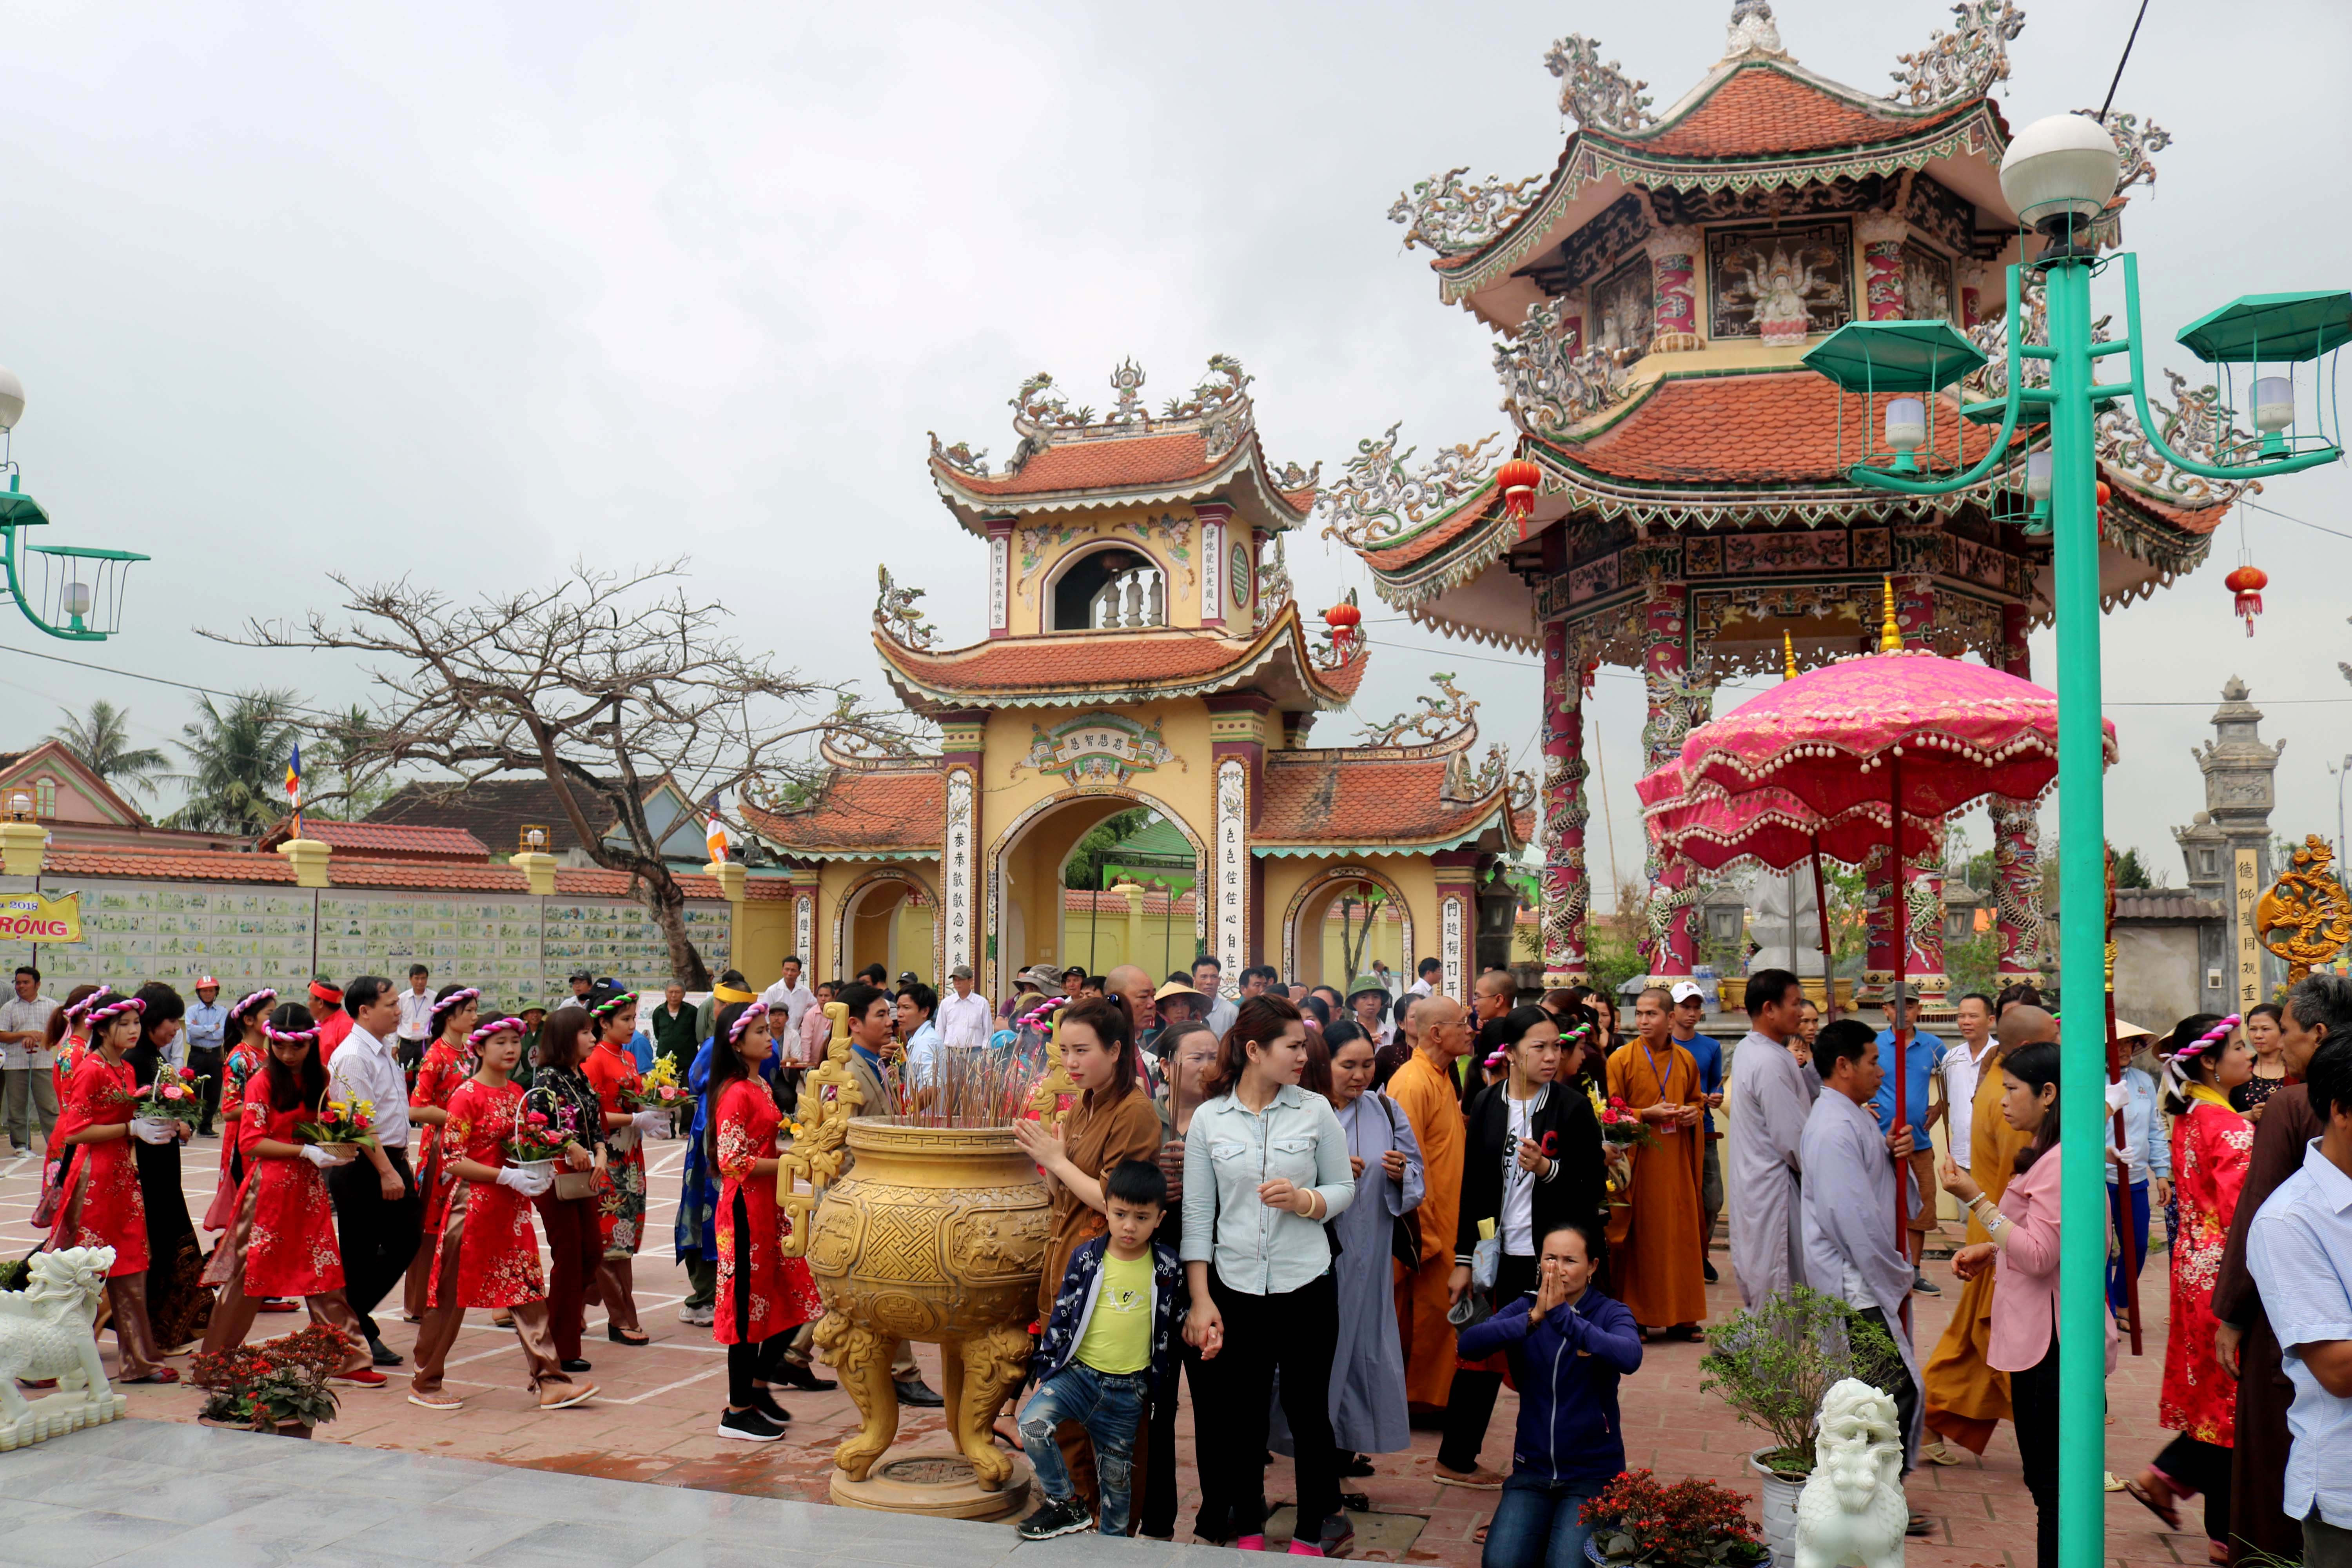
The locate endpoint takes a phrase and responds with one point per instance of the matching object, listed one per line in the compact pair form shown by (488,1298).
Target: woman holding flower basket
(177,1303)
(448,1061)
(487,1252)
(612,1067)
(281,1231)
(763,1296)
(561,1092)
(99,1200)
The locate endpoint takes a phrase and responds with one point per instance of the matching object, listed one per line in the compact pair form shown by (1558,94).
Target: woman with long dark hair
(99,1200)
(575,1243)
(247,1028)
(612,1067)
(281,1234)
(1265,1167)
(763,1296)
(2266,1032)
(177,1303)
(2025,1242)
(448,1061)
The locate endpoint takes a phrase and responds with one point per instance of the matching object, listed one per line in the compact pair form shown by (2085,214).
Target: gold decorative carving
(2305,918)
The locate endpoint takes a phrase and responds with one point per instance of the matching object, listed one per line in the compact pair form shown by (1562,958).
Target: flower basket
(175,1097)
(346,1124)
(537,1142)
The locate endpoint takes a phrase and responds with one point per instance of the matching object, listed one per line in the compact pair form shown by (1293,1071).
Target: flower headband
(497,1027)
(612,1005)
(743,1020)
(289,1037)
(457,999)
(77,1011)
(247,1004)
(2175,1071)
(115,1010)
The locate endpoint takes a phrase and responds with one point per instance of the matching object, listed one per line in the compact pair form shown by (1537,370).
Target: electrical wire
(2117,82)
(159,680)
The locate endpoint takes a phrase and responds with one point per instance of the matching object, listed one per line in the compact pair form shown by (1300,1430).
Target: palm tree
(103,741)
(237,758)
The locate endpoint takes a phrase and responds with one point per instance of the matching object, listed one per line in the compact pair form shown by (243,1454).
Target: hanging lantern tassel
(2248,583)
(1518,480)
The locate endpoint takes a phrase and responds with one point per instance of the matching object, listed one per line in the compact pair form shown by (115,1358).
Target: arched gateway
(1143,652)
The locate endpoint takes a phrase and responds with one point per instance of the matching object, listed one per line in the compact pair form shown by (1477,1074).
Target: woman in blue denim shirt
(1266,1167)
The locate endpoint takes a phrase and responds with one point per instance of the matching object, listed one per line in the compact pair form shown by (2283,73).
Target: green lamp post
(69,591)
(2059,175)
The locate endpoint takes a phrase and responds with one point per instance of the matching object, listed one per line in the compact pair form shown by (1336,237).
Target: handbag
(1404,1230)
(569,1186)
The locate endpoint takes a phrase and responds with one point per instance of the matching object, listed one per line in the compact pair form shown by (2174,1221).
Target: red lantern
(2248,583)
(1520,480)
(2103,493)
(1343,618)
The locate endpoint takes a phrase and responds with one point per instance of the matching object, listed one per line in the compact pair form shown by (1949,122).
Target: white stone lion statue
(44,1328)
(1852,1511)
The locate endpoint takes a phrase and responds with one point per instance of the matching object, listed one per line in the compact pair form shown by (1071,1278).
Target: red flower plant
(1636,1520)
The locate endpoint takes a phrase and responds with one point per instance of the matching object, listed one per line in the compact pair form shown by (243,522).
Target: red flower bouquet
(1622,1125)
(1691,1524)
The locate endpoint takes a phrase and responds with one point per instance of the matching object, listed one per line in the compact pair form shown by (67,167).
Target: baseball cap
(960,972)
(1687,990)
(203,981)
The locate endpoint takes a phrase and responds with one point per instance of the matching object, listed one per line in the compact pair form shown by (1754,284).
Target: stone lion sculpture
(1852,1511)
(44,1330)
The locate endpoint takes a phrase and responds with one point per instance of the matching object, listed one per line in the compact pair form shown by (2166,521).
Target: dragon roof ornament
(895,613)
(1450,215)
(1449,719)
(1219,409)
(1379,497)
(1601,97)
(1548,385)
(1966,61)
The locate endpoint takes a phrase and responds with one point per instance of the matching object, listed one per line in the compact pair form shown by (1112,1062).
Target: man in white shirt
(1963,1069)
(415,1017)
(379,1214)
(964,1016)
(1431,970)
(1209,979)
(28,1091)
(789,996)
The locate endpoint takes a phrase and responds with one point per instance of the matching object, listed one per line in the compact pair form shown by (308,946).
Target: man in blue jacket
(1568,1345)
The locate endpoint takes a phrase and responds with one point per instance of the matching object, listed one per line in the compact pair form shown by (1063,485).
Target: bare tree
(604,685)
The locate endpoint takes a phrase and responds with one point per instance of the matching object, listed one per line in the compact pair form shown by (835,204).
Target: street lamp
(2059,175)
(20,803)
(55,582)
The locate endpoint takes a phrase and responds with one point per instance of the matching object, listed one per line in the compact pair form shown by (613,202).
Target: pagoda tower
(1648,302)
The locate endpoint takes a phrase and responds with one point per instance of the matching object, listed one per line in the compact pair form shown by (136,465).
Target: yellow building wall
(763,935)
(869,935)
(1166,941)
(1315,952)
(1169,535)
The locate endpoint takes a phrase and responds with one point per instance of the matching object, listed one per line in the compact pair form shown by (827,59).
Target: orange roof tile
(1761,108)
(1084,666)
(1469,514)
(1779,428)
(898,810)
(1102,464)
(203,866)
(400,840)
(1323,799)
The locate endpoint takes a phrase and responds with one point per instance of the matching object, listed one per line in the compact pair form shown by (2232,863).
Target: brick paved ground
(653,1419)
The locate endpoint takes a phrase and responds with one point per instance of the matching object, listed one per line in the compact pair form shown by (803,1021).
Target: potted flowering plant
(341,1128)
(1691,1524)
(280,1385)
(175,1097)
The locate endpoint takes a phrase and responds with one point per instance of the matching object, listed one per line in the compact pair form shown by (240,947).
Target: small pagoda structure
(1674,497)
(1144,648)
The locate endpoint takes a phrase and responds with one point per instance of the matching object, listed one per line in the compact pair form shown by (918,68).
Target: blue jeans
(1539,1524)
(1110,1406)
(2140,1244)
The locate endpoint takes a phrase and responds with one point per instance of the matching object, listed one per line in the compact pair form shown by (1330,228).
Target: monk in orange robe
(1424,1088)
(1656,1271)
(1967,1397)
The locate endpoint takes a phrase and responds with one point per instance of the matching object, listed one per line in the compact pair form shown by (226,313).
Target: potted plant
(1691,1524)
(1772,1363)
(280,1385)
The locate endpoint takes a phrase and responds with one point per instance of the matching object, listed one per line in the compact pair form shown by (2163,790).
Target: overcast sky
(467,292)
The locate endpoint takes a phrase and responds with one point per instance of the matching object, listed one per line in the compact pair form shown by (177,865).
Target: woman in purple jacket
(1568,1345)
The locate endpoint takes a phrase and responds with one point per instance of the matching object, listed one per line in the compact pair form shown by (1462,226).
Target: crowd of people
(1335,1215)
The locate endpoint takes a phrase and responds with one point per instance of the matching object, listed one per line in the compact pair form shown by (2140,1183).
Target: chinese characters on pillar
(1450,925)
(956,874)
(804,930)
(999,566)
(2246,887)
(1232,868)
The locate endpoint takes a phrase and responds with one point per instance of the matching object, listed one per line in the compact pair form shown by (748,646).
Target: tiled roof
(897,811)
(199,866)
(1101,465)
(2163,904)
(1096,666)
(1760,110)
(391,840)
(1466,516)
(493,811)
(1775,428)
(1321,799)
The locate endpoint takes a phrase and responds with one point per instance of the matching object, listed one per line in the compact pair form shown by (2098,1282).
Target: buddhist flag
(716,832)
(294,788)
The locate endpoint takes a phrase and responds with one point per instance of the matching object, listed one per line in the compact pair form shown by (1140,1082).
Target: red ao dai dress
(242,1062)
(101,1205)
(497,1260)
(283,1211)
(621,1186)
(445,1067)
(2211,1148)
(762,1293)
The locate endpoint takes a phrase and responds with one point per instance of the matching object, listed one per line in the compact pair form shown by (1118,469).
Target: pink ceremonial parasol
(1909,729)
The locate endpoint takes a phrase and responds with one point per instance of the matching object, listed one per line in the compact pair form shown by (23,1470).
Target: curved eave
(1494,813)
(1282,642)
(1593,156)
(1238,477)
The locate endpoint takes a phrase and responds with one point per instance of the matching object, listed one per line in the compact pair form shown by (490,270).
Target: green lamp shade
(1895,356)
(18,510)
(2271,328)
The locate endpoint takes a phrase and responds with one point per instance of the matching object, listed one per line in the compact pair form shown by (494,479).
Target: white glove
(651,1123)
(2128,1155)
(2118,1094)
(320,1158)
(153,1132)
(527,1184)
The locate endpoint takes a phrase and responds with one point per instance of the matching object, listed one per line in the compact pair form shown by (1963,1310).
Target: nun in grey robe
(1769,1098)
(1853,1249)
(1367,1407)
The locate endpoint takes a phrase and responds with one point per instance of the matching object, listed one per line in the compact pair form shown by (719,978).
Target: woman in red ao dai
(763,1294)
(99,1203)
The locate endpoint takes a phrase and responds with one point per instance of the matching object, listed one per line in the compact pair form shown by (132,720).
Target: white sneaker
(697,1317)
